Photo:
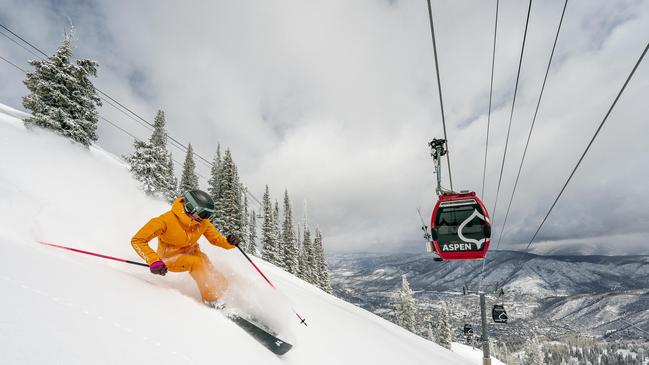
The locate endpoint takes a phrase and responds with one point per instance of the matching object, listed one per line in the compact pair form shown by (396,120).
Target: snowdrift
(62,307)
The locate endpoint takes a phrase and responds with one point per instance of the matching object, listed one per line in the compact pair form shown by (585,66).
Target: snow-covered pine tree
(159,136)
(534,352)
(444,336)
(158,140)
(269,249)
(277,234)
(252,234)
(430,333)
(229,187)
(245,219)
(321,268)
(62,97)
(289,241)
(307,268)
(152,164)
(405,307)
(171,188)
(189,180)
(213,187)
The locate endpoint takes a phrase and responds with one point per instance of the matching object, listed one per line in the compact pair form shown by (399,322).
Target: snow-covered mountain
(62,307)
(598,295)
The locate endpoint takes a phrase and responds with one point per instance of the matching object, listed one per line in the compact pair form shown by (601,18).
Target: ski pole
(93,254)
(302,320)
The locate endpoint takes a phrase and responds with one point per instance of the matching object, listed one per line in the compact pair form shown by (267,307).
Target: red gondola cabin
(460,227)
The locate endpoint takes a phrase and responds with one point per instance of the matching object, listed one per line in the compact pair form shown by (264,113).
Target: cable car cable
(511,114)
(589,144)
(439,90)
(491,88)
(529,135)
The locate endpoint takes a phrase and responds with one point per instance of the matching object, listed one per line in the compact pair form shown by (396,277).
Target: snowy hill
(62,307)
(553,295)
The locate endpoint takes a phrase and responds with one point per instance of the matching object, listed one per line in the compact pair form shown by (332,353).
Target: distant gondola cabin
(499,314)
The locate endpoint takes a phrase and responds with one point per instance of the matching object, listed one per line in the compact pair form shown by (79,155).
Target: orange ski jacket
(177,234)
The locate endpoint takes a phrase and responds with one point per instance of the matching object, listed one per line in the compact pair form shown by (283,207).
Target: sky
(335,101)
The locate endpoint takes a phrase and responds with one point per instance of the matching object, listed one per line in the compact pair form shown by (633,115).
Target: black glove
(233,240)
(158,268)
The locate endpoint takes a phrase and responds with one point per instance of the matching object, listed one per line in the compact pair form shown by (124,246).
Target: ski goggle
(191,207)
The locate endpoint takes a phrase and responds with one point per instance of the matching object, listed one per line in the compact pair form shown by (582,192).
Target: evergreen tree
(230,206)
(62,97)
(269,249)
(320,263)
(444,336)
(289,241)
(277,233)
(213,187)
(534,353)
(152,164)
(405,307)
(169,184)
(245,219)
(307,258)
(252,235)
(189,180)
(159,136)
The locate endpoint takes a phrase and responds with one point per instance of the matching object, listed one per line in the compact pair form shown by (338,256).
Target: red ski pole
(302,320)
(93,254)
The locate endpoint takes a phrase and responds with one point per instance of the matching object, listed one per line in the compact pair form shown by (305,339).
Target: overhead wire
(529,135)
(599,128)
(133,115)
(511,114)
(491,89)
(439,90)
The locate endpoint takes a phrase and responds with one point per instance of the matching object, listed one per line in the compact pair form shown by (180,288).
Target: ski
(267,339)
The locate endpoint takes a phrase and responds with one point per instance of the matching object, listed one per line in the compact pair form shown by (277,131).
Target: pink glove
(158,268)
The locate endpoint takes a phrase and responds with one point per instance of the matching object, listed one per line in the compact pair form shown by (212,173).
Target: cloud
(336,100)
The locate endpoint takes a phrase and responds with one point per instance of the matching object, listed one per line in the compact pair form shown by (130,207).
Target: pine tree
(252,235)
(405,307)
(245,219)
(229,205)
(444,336)
(307,260)
(320,263)
(189,180)
(152,165)
(213,187)
(62,97)
(429,332)
(288,240)
(269,249)
(533,352)
(159,136)
(169,183)
(277,234)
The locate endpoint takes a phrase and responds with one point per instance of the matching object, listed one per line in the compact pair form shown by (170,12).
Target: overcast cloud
(336,101)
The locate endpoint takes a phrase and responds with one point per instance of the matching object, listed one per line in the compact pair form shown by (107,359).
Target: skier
(178,231)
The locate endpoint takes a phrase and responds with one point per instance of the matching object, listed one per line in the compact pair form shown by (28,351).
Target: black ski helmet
(199,202)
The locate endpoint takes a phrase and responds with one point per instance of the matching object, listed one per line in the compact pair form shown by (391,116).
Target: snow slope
(63,307)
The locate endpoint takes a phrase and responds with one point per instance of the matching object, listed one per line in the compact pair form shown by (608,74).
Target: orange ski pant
(211,283)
